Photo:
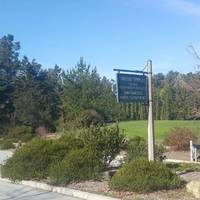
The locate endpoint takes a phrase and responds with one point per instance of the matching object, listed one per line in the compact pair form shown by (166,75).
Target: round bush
(106,141)
(33,160)
(143,176)
(179,139)
(78,165)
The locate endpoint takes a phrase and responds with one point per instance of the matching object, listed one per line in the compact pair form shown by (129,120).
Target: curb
(181,161)
(62,190)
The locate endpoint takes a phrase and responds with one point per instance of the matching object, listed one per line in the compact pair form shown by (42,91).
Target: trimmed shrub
(22,133)
(33,160)
(89,117)
(137,147)
(79,164)
(105,141)
(6,144)
(30,161)
(143,176)
(179,139)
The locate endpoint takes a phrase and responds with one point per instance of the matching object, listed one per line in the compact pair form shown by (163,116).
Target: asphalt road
(10,191)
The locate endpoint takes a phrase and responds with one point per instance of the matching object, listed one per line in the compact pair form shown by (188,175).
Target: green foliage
(89,117)
(36,97)
(183,167)
(179,139)
(22,133)
(9,64)
(159,152)
(32,161)
(37,92)
(144,176)
(137,147)
(28,162)
(78,165)
(106,141)
(6,144)
(84,89)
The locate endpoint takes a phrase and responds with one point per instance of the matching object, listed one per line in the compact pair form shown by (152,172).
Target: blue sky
(107,33)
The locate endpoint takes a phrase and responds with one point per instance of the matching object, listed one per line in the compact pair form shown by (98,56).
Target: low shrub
(159,152)
(137,147)
(143,176)
(89,117)
(179,139)
(22,133)
(79,164)
(33,160)
(105,141)
(6,144)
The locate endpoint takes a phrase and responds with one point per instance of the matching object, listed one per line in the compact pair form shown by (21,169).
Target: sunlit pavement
(10,191)
(4,155)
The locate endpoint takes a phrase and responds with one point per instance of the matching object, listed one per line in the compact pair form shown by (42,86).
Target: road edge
(62,190)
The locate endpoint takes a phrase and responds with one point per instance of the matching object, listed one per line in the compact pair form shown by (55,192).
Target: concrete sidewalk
(10,191)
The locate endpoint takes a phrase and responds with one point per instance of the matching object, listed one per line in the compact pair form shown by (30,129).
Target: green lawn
(162,127)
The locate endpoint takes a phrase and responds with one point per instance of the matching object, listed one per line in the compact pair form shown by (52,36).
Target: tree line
(34,96)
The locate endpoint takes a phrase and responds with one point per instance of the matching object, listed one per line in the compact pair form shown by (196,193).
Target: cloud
(184,6)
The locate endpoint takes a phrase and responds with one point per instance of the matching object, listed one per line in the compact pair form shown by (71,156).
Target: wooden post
(151,143)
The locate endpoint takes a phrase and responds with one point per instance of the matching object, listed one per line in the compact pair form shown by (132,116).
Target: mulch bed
(101,187)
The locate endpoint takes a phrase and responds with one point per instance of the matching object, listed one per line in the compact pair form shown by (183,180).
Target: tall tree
(37,95)
(9,65)
(84,89)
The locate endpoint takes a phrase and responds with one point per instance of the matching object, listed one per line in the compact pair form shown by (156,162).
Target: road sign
(131,88)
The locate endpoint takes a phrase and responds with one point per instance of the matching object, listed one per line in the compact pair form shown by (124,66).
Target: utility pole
(151,143)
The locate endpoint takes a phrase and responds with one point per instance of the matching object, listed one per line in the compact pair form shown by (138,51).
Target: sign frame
(134,89)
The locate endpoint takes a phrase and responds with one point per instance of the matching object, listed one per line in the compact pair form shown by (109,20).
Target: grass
(186,167)
(162,127)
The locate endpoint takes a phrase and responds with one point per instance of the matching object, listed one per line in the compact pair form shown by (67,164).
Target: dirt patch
(178,155)
(101,187)
(180,194)
(191,176)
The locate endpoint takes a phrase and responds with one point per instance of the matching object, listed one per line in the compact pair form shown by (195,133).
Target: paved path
(178,155)
(9,191)
(191,176)
(4,155)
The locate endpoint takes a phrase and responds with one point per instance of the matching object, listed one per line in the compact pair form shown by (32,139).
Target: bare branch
(193,51)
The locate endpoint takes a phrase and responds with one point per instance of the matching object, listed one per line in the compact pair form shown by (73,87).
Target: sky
(107,33)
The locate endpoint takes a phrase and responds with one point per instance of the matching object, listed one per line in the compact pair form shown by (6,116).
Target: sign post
(151,143)
(137,87)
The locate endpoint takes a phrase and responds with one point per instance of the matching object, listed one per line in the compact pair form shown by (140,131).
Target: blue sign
(131,88)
